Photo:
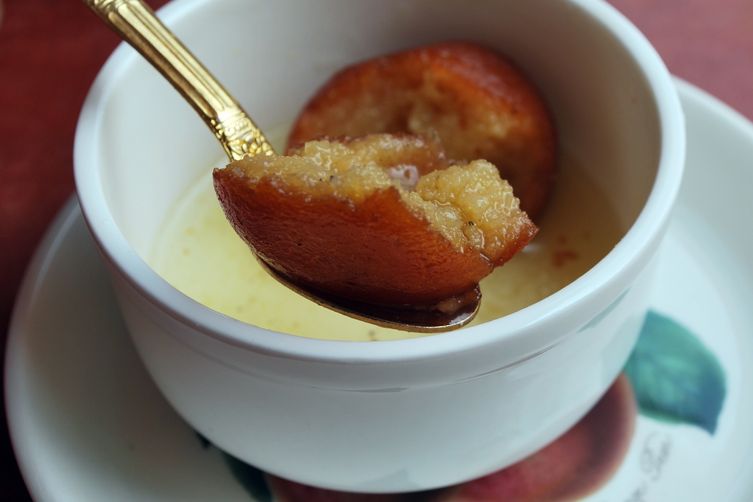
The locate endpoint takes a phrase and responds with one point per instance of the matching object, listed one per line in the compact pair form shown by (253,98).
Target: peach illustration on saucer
(574,465)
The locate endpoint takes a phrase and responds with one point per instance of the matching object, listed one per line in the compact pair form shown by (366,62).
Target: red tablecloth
(50,51)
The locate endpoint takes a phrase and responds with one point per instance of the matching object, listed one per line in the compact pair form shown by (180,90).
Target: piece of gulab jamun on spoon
(384,220)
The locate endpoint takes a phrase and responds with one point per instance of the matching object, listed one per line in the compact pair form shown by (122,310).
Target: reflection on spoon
(425,321)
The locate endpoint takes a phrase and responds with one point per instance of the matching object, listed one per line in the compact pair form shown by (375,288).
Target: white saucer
(87,423)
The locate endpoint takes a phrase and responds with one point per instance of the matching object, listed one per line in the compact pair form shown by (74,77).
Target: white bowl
(399,415)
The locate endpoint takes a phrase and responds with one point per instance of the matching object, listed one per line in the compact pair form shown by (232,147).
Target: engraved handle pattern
(136,24)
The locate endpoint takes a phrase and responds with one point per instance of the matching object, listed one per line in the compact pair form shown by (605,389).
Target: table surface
(50,51)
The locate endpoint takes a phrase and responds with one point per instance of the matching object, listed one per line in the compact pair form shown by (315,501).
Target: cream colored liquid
(200,255)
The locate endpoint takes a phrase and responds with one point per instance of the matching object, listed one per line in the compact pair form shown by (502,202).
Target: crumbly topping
(468,204)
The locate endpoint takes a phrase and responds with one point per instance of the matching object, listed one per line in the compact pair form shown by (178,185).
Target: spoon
(136,24)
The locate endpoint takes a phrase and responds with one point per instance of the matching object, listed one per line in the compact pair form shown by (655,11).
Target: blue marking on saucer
(676,378)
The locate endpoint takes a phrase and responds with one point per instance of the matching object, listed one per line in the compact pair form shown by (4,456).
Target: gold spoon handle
(137,24)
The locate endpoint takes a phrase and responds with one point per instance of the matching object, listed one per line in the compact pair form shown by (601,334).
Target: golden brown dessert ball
(474,99)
